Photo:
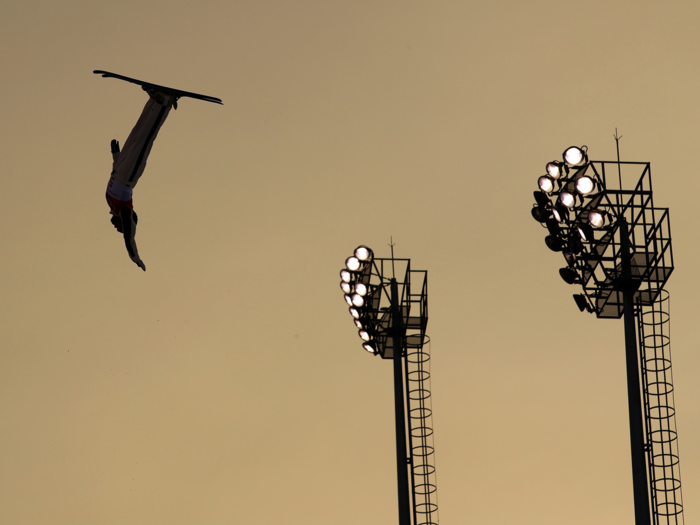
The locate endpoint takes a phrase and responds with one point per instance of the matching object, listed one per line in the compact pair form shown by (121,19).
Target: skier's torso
(118,196)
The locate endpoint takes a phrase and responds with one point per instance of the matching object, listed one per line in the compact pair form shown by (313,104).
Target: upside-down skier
(128,166)
(129,163)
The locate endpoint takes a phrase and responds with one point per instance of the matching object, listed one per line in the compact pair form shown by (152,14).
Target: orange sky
(227,383)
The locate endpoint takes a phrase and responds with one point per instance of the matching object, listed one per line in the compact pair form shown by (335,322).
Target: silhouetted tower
(391,314)
(617,246)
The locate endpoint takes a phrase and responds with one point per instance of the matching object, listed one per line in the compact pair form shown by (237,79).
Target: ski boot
(163,98)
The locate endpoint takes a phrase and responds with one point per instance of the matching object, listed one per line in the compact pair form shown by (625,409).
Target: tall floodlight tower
(389,305)
(617,246)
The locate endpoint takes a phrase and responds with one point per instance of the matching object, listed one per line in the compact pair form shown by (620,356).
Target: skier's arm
(129,220)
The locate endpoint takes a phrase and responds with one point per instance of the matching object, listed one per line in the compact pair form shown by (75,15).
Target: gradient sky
(227,383)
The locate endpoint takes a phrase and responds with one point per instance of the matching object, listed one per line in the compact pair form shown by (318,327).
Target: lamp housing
(560,212)
(569,275)
(539,213)
(554,243)
(585,185)
(574,243)
(585,232)
(596,218)
(353,263)
(546,183)
(541,198)
(575,156)
(363,253)
(370,346)
(582,302)
(567,199)
(556,169)
(361,289)
(553,227)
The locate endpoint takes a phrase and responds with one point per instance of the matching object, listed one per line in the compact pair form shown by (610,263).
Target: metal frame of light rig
(617,246)
(392,313)
(588,228)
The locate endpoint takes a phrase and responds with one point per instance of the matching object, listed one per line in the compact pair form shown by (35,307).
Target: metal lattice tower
(660,412)
(392,315)
(617,247)
(649,237)
(417,381)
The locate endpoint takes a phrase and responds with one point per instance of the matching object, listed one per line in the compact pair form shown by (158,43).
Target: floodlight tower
(617,246)
(391,315)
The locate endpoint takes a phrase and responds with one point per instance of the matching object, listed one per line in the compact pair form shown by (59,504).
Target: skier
(129,163)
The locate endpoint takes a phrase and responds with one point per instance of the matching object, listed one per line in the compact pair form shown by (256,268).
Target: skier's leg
(131,161)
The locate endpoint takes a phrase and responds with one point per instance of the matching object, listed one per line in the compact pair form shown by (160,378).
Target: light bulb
(363,253)
(574,156)
(357,300)
(585,185)
(554,170)
(545,183)
(567,199)
(595,218)
(352,263)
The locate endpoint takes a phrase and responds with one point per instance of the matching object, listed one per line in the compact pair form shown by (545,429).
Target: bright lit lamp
(567,199)
(586,232)
(596,219)
(370,346)
(574,156)
(560,212)
(557,169)
(358,300)
(546,183)
(363,253)
(352,263)
(585,185)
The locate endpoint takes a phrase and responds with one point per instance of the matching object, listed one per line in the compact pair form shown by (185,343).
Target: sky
(227,384)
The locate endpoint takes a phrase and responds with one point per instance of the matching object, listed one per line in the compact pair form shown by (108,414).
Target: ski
(177,92)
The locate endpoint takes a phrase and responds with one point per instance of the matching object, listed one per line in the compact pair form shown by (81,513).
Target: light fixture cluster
(360,295)
(567,204)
